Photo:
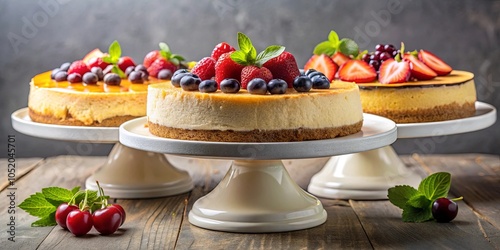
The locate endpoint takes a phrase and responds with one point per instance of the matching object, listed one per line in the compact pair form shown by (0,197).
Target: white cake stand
(257,194)
(367,175)
(128,172)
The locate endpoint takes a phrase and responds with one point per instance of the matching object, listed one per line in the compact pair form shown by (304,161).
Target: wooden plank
(22,167)
(64,171)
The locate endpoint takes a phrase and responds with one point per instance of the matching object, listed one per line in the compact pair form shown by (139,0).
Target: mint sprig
(417,203)
(113,56)
(166,53)
(346,46)
(247,54)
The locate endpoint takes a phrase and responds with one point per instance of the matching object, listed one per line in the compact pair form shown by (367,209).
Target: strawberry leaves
(247,54)
(346,46)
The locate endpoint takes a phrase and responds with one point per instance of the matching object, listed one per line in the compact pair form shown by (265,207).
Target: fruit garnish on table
(428,201)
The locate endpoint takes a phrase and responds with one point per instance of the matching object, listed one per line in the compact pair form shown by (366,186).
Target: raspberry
(205,68)
(78,67)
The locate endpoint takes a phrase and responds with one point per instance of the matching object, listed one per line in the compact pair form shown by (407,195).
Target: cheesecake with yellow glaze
(243,117)
(443,98)
(78,104)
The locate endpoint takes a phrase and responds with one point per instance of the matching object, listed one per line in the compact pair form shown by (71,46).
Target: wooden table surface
(161,223)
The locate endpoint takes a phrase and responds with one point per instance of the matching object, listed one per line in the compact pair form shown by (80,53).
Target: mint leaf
(49,220)
(348,47)
(333,38)
(115,51)
(118,71)
(435,186)
(413,214)
(36,205)
(164,47)
(75,190)
(419,201)
(244,43)
(239,57)
(399,195)
(268,54)
(326,47)
(57,194)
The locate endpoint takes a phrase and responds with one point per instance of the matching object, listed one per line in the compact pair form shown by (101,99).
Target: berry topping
(90,78)
(434,62)
(159,64)
(65,66)
(323,64)
(444,210)
(208,86)
(125,62)
(230,85)
(112,79)
(95,53)
(129,70)
(320,82)
(418,69)
(141,67)
(225,68)
(339,58)
(251,72)
(164,74)
(357,71)
(74,78)
(135,77)
(257,86)
(151,57)
(54,72)
(220,49)
(97,62)
(283,67)
(277,86)
(392,71)
(78,67)
(98,72)
(205,68)
(302,84)
(162,59)
(176,78)
(190,82)
(61,76)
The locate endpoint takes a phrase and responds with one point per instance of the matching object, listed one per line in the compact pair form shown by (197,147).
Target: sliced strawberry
(94,53)
(323,64)
(78,67)
(205,68)
(357,71)
(125,62)
(150,58)
(392,71)
(340,58)
(225,68)
(97,62)
(220,49)
(284,67)
(159,64)
(418,69)
(251,72)
(434,62)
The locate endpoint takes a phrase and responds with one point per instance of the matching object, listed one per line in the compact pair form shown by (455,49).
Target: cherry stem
(458,199)
(85,205)
(104,201)
(73,199)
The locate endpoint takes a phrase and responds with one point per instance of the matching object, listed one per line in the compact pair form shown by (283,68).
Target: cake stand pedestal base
(131,173)
(257,196)
(362,176)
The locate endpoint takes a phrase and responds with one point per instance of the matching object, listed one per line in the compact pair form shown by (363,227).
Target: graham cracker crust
(70,121)
(438,113)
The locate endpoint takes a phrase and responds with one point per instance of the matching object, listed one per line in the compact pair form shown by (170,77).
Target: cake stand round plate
(128,172)
(368,175)
(257,194)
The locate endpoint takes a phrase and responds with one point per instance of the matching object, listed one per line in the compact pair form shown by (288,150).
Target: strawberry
(125,62)
(340,58)
(220,49)
(250,72)
(323,64)
(78,67)
(418,69)
(357,71)
(97,62)
(283,67)
(392,71)
(205,68)
(150,58)
(225,67)
(434,62)
(159,64)
(94,53)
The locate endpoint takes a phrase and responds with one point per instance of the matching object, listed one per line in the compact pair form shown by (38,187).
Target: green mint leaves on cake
(167,54)
(113,56)
(329,47)
(423,204)
(247,54)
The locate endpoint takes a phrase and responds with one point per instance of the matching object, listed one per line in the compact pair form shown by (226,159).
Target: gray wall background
(466,34)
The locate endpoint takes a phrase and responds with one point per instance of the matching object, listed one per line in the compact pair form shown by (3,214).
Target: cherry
(444,210)
(122,212)
(62,212)
(79,222)
(107,220)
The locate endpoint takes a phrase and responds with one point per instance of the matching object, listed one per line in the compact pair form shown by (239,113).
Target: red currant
(444,210)
(79,222)
(62,212)
(122,212)
(107,220)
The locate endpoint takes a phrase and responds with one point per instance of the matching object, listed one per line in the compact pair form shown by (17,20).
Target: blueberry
(74,78)
(98,72)
(309,71)
(176,78)
(165,74)
(144,75)
(257,86)
(90,78)
(134,77)
(128,70)
(141,67)
(208,86)
(65,66)
(277,86)
(54,72)
(179,71)
(230,85)
(313,74)
(112,79)
(190,82)
(302,84)
(302,72)
(61,76)
(320,82)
